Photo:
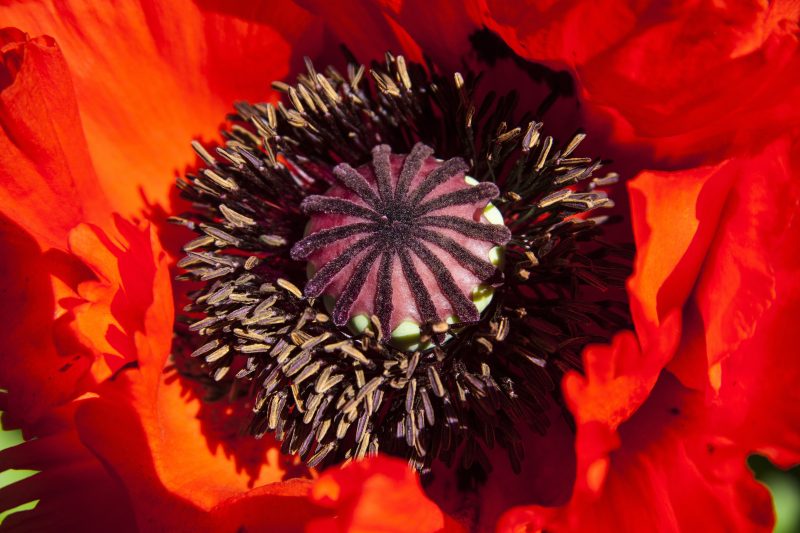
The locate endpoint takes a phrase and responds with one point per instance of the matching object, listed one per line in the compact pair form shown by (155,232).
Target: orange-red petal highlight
(151,76)
(47,181)
(114,432)
(379,494)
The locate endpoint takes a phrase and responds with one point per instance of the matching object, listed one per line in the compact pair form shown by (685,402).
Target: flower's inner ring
(330,395)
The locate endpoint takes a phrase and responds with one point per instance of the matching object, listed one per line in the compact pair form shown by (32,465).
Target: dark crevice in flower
(331,393)
(490,48)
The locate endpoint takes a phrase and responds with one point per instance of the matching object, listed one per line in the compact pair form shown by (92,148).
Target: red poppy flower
(98,111)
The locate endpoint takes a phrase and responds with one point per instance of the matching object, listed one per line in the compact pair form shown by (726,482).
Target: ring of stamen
(330,394)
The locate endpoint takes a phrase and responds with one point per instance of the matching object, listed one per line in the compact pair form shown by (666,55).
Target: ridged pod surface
(402,238)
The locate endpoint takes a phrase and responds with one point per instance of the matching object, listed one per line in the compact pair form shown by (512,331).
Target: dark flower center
(401,227)
(395,239)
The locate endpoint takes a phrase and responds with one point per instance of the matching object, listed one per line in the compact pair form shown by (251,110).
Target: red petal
(738,281)
(690,79)
(378,494)
(758,399)
(34,370)
(152,76)
(569,32)
(365,28)
(664,469)
(98,473)
(676,75)
(73,320)
(130,308)
(190,453)
(74,490)
(618,380)
(735,251)
(748,298)
(47,183)
(737,321)
(674,217)
(116,435)
(126,313)
(731,227)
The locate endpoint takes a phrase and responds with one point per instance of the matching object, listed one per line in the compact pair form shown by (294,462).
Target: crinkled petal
(688,79)
(674,217)
(716,259)
(39,366)
(73,319)
(758,398)
(737,321)
(662,468)
(115,433)
(717,46)
(97,474)
(570,32)
(126,317)
(618,380)
(47,186)
(748,297)
(122,314)
(126,311)
(752,244)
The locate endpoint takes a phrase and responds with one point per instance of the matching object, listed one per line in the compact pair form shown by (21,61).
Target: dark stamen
(482,191)
(448,169)
(465,258)
(411,167)
(469,228)
(382,167)
(331,393)
(337,206)
(464,308)
(383,296)
(302,249)
(325,275)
